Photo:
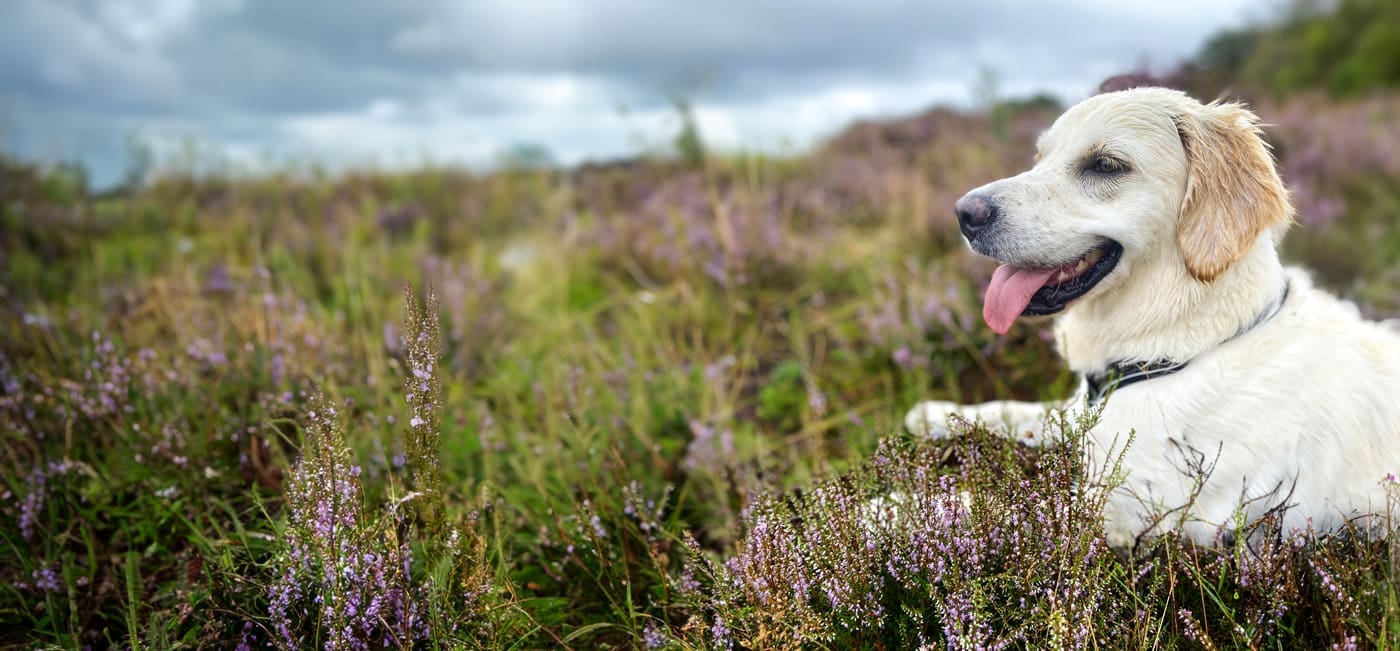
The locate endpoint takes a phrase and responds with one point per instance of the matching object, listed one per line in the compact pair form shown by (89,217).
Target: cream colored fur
(1302,410)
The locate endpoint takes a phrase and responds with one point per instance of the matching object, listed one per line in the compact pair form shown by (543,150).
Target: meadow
(635,405)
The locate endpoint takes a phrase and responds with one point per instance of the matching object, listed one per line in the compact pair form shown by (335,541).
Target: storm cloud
(357,82)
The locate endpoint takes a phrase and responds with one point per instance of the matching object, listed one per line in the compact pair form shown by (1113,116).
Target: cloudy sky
(403,82)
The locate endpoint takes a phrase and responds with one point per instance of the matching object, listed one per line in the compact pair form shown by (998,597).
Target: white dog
(1149,224)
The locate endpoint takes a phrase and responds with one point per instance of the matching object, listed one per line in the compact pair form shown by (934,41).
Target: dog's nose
(974,214)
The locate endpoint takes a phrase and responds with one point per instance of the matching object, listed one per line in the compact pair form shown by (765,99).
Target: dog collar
(1121,374)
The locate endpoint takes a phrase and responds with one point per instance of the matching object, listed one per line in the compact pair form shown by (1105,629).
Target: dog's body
(1149,224)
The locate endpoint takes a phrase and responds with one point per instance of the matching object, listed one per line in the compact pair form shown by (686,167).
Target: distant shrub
(1348,48)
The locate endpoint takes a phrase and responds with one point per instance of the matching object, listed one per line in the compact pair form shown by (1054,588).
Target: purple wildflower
(655,637)
(46,579)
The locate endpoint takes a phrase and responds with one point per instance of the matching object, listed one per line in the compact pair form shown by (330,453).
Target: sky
(247,84)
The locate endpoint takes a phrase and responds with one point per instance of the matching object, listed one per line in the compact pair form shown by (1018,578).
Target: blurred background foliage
(1347,49)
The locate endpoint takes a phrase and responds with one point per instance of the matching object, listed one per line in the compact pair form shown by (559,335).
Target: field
(642,405)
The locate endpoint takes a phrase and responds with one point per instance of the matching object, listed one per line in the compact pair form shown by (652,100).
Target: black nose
(974,214)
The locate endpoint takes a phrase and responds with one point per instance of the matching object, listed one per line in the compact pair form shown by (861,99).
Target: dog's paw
(882,512)
(930,418)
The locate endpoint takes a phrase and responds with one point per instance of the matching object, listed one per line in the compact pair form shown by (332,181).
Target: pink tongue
(1009,293)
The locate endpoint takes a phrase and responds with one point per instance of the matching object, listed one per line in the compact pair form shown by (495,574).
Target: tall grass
(644,405)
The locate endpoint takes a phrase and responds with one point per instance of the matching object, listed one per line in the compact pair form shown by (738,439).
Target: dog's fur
(1299,411)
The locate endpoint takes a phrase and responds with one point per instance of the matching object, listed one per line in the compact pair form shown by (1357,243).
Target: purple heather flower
(32,505)
(903,357)
(654,637)
(46,579)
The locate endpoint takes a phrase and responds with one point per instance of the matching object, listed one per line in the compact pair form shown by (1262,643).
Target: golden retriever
(1148,225)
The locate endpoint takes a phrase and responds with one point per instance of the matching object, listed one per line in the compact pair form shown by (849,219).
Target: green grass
(629,359)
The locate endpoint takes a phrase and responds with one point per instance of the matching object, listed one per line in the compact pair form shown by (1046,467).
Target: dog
(1225,386)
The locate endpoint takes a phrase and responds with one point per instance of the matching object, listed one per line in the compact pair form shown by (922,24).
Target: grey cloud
(53,53)
(725,41)
(290,57)
(221,68)
(245,71)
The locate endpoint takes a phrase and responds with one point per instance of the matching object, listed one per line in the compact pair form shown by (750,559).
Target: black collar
(1121,374)
(1118,375)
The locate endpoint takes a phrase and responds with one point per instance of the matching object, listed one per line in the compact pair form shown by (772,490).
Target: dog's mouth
(1016,291)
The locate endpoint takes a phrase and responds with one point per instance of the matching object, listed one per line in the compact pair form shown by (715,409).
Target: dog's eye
(1106,165)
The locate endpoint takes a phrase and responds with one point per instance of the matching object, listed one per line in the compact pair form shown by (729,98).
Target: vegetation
(1347,48)
(650,404)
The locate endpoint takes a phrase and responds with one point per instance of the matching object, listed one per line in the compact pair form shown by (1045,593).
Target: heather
(651,404)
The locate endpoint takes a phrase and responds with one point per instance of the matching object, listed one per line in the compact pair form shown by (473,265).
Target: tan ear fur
(1233,192)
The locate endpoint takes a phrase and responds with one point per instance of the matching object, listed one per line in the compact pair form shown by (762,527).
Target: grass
(646,406)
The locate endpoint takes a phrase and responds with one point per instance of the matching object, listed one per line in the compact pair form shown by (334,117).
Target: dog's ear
(1233,192)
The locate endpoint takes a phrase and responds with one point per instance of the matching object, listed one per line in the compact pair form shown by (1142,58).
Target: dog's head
(1147,181)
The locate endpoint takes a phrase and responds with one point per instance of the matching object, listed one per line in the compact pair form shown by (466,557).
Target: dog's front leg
(1023,421)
